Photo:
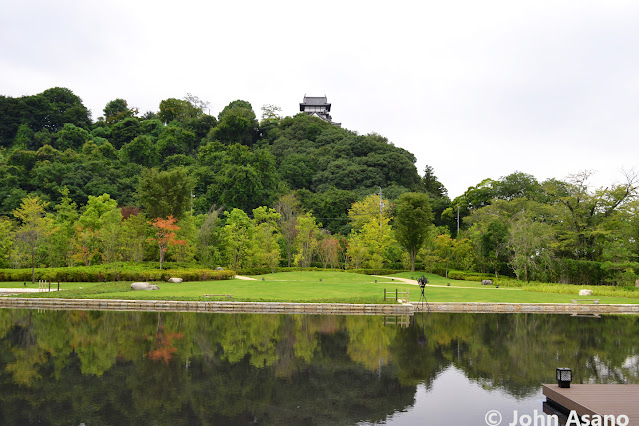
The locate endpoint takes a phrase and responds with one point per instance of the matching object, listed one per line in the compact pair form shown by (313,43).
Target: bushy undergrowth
(119,272)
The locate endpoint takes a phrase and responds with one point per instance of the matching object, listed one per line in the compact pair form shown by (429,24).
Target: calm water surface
(72,367)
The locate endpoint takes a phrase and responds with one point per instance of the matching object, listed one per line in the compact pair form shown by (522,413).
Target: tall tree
(288,206)
(306,240)
(34,227)
(584,213)
(266,233)
(167,193)
(238,235)
(530,242)
(208,235)
(413,221)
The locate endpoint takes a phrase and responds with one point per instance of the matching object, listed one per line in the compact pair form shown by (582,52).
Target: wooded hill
(219,175)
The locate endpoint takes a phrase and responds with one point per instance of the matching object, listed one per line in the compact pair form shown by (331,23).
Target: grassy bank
(555,288)
(319,287)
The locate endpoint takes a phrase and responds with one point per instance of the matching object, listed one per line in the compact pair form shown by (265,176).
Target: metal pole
(458,221)
(381,205)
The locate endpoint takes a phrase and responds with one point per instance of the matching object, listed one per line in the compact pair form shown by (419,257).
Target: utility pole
(381,209)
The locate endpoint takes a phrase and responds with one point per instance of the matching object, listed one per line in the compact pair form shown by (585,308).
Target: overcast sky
(475,89)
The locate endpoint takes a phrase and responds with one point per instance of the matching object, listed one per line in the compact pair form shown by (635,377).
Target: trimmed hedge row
(83,274)
(377,271)
(469,276)
(262,271)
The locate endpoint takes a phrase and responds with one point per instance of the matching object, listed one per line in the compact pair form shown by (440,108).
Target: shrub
(469,276)
(123,272)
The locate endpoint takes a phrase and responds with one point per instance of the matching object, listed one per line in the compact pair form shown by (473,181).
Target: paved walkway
(4,291)
(414,282)
(241,277)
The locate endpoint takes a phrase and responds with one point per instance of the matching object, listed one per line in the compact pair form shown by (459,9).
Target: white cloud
(475,89)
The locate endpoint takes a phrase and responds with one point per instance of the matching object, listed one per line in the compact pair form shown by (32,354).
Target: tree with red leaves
(165,235)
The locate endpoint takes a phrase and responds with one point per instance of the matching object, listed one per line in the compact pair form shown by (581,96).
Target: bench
(228,296)
(596,301)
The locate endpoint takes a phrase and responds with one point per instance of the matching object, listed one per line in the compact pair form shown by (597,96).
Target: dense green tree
(331,206)
(24,138)
(180,110)
(412,223)
(236,177)
(266,253)
(175,140)
(238,236)
(70,137)
(371,236)
(165,193)
(124,131)
(584,213)
(236,124)
(531,244)
(117,110)
(438,194)
(62,106)
(518,185)
(142,150)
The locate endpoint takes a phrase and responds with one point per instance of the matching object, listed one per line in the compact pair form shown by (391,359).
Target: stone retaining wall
(312,308)
(535,308)
(220,307)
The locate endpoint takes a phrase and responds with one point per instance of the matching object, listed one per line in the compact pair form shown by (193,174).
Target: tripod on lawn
(422,285)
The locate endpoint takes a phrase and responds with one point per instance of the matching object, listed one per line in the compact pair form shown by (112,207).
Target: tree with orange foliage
(165,235)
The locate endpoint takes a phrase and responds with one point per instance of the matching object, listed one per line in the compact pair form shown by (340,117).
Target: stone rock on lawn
(486,282)
(144,286)
(175,280)
(219,268)
(585,292)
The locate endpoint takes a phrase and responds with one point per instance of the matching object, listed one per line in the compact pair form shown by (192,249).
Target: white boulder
(144,286)
(585,292)
(175,280)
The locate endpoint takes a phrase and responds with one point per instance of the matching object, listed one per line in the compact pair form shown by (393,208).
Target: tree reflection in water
(64,367)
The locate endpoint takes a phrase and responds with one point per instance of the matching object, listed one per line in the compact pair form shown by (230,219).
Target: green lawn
(307,287)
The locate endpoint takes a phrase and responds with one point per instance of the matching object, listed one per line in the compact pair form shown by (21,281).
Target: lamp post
(564,377)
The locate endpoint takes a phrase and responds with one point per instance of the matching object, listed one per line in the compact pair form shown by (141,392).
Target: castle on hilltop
(318,107)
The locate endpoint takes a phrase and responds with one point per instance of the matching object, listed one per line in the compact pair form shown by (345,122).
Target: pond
(73,367)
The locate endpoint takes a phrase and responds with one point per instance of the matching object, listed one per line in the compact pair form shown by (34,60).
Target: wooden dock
(596,399)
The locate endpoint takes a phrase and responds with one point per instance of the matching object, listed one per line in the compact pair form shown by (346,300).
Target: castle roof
(315,101)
